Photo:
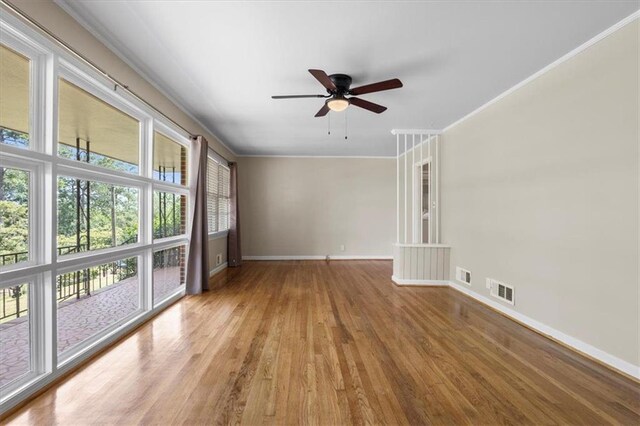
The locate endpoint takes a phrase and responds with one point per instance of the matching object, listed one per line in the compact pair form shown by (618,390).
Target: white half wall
(300,206)
(540,190)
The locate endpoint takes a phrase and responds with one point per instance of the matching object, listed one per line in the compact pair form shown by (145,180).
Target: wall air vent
(502,291)
(463,275)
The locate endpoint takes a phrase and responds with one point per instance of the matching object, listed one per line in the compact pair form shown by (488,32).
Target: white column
(430,239)
(413,188)
(421,191)
(397,188)
(436,184)
(404,213)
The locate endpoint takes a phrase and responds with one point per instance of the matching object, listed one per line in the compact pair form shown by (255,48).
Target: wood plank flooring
(332,343)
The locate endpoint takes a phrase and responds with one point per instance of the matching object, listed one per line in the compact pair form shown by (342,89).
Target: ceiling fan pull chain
(329,123)
(346,113)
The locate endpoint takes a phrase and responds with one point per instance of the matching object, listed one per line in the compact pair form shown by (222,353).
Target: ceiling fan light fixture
(338,104)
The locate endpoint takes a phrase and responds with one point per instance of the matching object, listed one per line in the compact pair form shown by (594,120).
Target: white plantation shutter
(223,198)
(212,195)
(218,192)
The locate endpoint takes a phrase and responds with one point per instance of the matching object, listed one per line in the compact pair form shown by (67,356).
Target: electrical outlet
(218,259)
(341,247)
(488,283)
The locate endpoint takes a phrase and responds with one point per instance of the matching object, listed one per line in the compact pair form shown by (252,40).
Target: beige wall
(310,206)
(217,246)
(58,22)
(540,190)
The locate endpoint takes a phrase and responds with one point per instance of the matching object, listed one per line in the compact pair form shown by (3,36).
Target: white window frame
(37,344)
(178,138)
(164,245)
(35,170)
(171,189)
(50,61)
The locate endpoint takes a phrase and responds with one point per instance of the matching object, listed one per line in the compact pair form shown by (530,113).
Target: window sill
(218,235)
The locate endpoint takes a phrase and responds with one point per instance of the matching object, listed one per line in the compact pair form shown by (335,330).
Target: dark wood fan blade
(323,78)
(297,96)
(367,105)
(377,87)
(323,111)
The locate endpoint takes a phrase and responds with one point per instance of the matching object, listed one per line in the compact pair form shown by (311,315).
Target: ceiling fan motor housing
(342,83)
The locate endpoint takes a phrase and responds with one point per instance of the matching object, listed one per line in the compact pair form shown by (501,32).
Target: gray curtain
(234,254)
(198,263)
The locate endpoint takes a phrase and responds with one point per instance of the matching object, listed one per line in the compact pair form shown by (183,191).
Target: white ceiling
(223,60)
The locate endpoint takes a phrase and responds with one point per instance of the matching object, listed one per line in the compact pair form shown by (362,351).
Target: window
(169,160)
(168,272)
(84,215)
(94,215)
(218,191)
(14,216)
(92,131)
(14,101)
(93,299)
(169,213)
(15,333)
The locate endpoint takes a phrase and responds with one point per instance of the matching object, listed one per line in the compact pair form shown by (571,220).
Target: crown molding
(367,157)
(604,34)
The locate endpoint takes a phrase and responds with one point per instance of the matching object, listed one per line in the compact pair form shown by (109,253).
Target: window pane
(168,272)
(94,215)
(14,98)
(169,160)
(93,131)
(90,300)
(15,350)
(14,216)
(169,211)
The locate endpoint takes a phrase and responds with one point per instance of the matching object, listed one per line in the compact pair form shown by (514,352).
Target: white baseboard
(320,257)
(217,269)
(401,281)
(580,346)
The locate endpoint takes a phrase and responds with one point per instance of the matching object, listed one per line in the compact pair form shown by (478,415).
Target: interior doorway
(423,202)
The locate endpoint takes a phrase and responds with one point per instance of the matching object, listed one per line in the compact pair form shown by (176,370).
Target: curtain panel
(198,260)
(234,254)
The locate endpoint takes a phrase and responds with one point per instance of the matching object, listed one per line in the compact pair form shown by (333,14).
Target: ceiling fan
(338,88)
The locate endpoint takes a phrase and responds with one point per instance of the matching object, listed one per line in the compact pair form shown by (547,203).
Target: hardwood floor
(334,343)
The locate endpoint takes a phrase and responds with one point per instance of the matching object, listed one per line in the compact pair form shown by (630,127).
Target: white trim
(367,157)
(427,132)
(421,245)
(216,158)
(319,257)
(218,269)
(549,67)
(117,50)
(426,283)
(578,345)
